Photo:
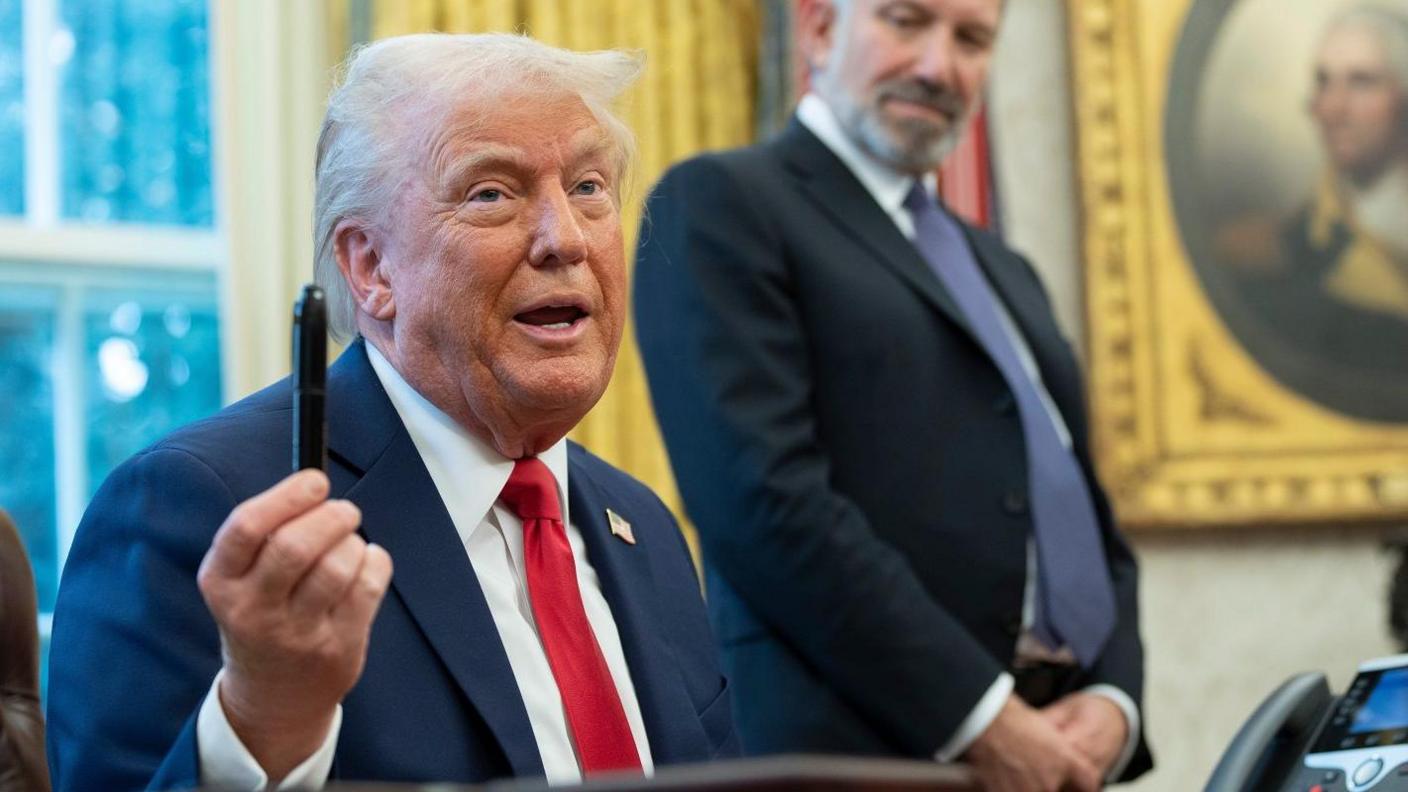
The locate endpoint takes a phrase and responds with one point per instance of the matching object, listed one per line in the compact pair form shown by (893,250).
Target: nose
(558,238)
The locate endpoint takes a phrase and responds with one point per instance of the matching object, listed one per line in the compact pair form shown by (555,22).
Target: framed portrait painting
(1243,174)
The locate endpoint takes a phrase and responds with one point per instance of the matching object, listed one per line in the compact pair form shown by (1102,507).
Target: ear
(816,27)
(359,258)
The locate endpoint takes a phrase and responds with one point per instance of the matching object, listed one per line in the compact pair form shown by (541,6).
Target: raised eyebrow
(589,149)
(481,158)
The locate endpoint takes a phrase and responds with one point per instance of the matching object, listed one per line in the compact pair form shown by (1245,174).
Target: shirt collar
(469,473)
(885,184)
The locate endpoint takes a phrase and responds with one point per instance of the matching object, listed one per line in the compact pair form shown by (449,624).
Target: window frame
(269,75)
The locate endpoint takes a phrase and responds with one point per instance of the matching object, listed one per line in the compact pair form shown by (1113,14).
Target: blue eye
(486,196)
(588,188)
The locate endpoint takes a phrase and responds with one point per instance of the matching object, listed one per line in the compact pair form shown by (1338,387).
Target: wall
(1227,615)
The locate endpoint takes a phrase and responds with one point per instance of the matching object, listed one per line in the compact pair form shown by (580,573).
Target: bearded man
(879,431)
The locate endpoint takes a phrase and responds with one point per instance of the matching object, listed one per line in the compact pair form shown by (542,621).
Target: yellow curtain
(697,93)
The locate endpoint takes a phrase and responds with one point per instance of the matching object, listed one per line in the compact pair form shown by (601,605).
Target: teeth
(558,325)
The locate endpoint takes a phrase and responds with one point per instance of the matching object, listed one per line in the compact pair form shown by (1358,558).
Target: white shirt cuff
(978,720)
(1131,719)
(226,763)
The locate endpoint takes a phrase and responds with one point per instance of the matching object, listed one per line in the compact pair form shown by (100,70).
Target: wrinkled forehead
(528,127)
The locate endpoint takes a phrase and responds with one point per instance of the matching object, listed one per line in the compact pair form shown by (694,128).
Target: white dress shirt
(889,187)
(469,475)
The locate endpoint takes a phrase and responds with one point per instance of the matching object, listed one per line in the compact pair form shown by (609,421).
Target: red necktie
(594,712)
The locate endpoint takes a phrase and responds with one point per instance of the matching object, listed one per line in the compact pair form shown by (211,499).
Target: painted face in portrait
(903,76)
(1358,103)
(504,267)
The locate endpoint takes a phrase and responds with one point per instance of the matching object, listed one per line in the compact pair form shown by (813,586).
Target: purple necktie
(1076,603)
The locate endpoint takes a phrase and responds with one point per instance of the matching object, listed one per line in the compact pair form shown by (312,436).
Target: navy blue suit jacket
(134,648)
(852,457)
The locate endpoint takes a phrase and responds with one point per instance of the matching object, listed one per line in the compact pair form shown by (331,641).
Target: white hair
(394,89)
(1391,27)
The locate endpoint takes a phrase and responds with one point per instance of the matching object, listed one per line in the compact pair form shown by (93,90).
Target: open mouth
(552,317)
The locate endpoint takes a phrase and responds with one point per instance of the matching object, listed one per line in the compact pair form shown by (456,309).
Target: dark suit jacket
(135,649)
(853,459)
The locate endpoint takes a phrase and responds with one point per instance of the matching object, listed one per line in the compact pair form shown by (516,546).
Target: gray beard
(912,148)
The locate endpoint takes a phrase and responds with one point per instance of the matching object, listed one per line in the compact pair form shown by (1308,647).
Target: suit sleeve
(134,648)
(1121,664)
(722,336)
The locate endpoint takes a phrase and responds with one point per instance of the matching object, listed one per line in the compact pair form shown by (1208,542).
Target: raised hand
(294,590)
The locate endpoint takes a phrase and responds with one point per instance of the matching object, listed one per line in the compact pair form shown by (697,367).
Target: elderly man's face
(904,75)
(1358,104)
(506,262)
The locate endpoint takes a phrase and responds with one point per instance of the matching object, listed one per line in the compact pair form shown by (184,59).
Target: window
(109,330)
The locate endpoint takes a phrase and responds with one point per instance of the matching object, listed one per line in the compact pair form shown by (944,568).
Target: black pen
(310,361)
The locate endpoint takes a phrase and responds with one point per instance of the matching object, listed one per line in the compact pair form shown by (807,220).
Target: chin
(912,146)
(559,385)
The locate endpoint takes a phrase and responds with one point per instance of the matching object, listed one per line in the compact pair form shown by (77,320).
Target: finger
(1101,749)
(237,543)
(293,550)
(1083,775)
(358,607)
(327,582)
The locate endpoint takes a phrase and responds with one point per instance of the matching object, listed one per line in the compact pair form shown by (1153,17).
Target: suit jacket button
(1015,502)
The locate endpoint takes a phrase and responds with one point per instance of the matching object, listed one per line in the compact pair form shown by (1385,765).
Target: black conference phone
(1304,739)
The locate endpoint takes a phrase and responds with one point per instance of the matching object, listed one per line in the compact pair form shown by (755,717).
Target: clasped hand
(1068,745)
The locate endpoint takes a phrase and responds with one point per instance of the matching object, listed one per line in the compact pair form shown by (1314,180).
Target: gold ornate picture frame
(1214,400)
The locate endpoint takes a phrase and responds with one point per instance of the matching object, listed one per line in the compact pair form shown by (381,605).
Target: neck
(516,442)
(512,435)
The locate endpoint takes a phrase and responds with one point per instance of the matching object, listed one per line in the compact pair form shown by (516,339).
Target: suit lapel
(836,192)
(402,511)
(629,587)
(1017,294)
(1034,320)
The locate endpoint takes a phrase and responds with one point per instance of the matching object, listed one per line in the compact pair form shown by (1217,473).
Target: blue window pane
(11,109)
(27,430)
(134,112)
(153,364)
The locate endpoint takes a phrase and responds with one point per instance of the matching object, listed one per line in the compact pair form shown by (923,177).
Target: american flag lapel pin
(620,528)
